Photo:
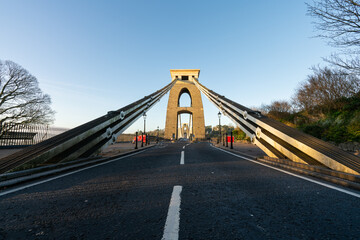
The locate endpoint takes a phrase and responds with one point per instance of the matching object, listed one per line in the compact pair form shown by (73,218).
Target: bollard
(136,135)
(226,139)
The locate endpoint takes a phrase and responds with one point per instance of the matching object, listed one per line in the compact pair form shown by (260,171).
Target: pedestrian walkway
(117,148)
(244,148)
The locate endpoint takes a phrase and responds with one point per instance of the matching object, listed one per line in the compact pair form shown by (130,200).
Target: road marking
(184,147)
(64,175)
(182,158)
(295,175)
(171,229)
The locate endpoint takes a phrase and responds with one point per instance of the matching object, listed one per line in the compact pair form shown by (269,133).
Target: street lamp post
(157,139)
(144,115)
(142,139)
(219,115)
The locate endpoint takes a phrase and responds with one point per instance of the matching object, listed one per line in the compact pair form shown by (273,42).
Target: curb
(16,178)
(339,178)
(237,152)
(317,174)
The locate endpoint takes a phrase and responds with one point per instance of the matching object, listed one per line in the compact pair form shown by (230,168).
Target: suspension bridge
(184,190)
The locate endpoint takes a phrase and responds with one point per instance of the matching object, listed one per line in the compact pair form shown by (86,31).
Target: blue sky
(96,56)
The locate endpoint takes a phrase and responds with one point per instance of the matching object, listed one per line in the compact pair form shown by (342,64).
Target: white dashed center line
(171,230)
(182,158)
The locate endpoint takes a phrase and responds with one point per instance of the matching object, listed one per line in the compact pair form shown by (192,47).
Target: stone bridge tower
(185,84)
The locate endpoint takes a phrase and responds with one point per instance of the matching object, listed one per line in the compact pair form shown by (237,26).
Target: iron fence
(12,135)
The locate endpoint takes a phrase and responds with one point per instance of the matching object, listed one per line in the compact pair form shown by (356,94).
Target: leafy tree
(21,99)
(208,130)
(238,134)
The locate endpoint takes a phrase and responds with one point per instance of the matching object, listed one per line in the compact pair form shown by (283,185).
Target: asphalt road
(222,197)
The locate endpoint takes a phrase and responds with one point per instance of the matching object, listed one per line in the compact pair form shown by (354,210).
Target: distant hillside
(338,125)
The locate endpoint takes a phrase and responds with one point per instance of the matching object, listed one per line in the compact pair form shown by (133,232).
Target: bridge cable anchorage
(85,140)
(281,141)
(245,114)
(108,132)
(122,115)
(113,138)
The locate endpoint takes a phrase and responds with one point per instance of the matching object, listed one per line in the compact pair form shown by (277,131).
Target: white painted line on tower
(171,229)
(182,158)
(295,175)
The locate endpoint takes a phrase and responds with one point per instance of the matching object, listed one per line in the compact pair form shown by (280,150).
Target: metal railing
(17,135)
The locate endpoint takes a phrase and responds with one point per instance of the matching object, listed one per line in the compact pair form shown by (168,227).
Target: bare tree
(279,106)
(279,109)
(322,89)
(21,99)
(339,22)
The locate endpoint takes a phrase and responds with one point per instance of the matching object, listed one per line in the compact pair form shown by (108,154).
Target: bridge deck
(222,197)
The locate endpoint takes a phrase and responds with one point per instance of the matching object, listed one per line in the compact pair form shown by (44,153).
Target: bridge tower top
(184,82)
(184,74)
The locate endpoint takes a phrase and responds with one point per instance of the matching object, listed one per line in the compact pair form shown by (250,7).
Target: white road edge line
(295,175)
(182,158)
(64,175)
(171,229)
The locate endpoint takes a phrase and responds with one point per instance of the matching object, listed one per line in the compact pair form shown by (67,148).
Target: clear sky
(95,56)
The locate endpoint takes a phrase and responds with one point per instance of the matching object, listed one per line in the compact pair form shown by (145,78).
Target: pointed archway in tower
(185,84)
